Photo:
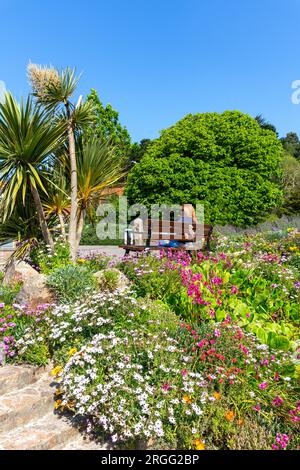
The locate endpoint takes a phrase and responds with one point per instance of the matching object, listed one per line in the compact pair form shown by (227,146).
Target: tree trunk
(62,226)
(80,228)
(74,203)
(43,223)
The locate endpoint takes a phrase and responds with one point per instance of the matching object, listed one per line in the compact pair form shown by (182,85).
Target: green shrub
(42,257)
(90,237)
(8,293)
(71,282)
(225,161)
(109,280)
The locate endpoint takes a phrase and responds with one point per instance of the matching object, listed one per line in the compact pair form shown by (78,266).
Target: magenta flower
(217,281)
(282,440)
(263,385)
(166,387)
(256,408)
(234,290)
(277,401)
(217,333)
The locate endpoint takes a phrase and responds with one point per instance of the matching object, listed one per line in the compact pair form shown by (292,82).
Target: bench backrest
(155,229)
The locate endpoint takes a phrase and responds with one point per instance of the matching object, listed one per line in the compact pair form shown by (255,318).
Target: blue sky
(157,60)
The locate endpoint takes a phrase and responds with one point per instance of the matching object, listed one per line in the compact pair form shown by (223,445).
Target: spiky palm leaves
(53,90)
(28,139)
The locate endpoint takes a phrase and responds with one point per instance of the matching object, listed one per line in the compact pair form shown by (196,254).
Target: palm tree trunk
(43,223)
(62,226)
(80,228)
(74,203)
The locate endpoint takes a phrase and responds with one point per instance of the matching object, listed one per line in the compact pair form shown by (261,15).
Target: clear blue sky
(157,60)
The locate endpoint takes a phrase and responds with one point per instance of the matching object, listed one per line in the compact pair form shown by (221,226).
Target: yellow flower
(57,404)
(290,229)
(230,415)
(58,392)
(70,405)
(199,445)
(293,248)
(217,395)
(72,351)
(81,260)
(186,399)
(56,371)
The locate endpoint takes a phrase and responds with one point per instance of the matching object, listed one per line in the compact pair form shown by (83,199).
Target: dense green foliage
(107,126)
(291,144)
(225,161)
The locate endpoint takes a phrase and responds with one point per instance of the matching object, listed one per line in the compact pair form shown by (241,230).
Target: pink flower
(234,290)
(282,440)
(277,401)
(217,333)
(263,385)
(166,387)
(256,408)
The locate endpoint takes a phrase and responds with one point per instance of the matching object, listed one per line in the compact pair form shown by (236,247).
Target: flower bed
(200,353)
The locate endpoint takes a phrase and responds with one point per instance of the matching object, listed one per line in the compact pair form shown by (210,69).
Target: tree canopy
(291,144)
(226,161)
(107,126)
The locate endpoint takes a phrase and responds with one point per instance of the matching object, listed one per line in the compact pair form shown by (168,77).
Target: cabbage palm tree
(53,90)
(28,139)
(99,166)
(57,202)
(22,226)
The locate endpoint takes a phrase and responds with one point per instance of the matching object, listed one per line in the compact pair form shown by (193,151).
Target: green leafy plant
(45,261)
(71,282)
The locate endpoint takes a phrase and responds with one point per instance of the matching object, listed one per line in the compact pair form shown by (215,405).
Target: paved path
(109,250)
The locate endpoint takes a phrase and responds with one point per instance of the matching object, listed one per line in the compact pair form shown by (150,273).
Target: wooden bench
(155,230)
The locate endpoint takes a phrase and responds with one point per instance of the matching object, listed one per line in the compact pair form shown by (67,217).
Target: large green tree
(107,126)
(225,161)
(291,144)
(291,185)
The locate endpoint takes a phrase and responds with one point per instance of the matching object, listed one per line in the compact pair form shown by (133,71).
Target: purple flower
(2,305)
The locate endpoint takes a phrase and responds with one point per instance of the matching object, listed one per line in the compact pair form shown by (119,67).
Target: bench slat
(155,230)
